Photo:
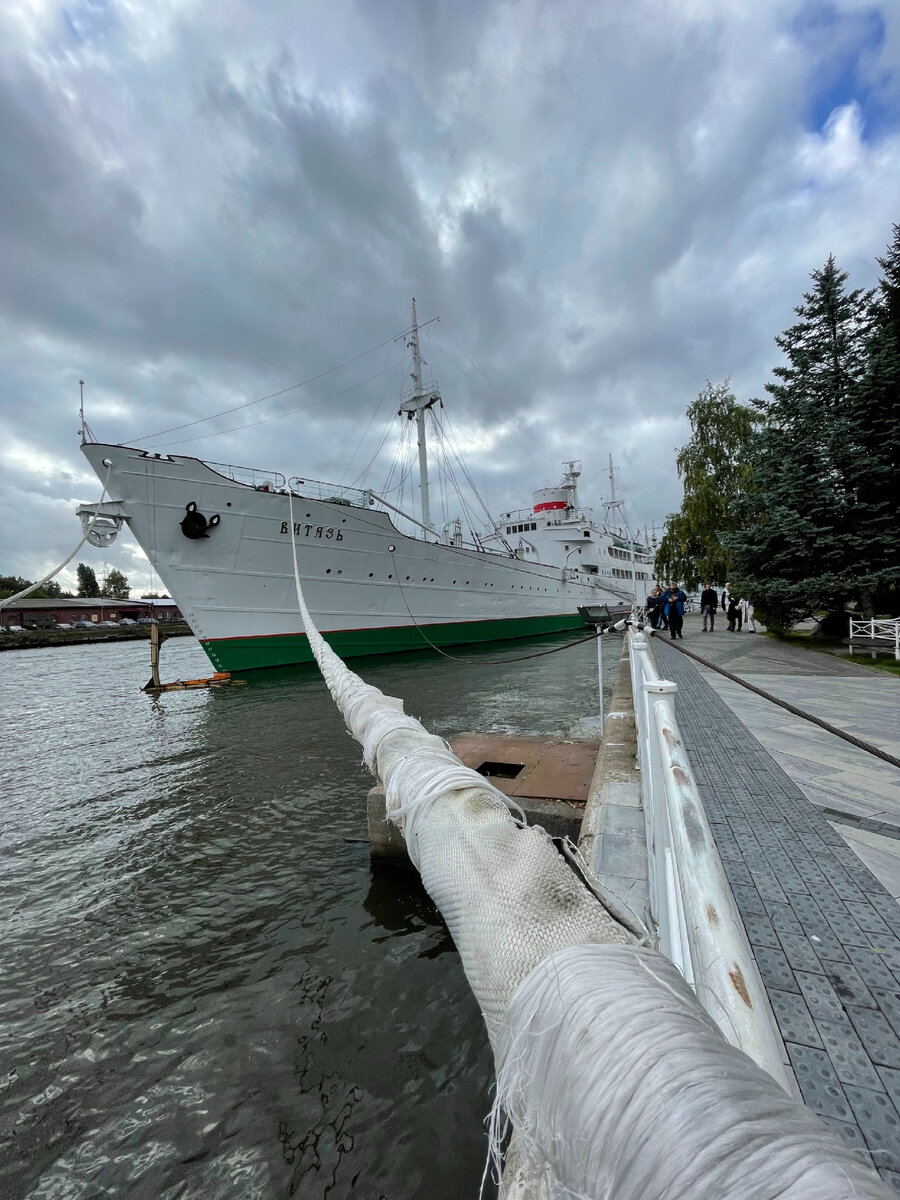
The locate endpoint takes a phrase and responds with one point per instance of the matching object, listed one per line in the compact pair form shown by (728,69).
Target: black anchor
(194,524)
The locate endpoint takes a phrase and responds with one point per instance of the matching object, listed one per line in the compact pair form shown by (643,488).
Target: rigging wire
(467,510)
(401,461)
(279,416)
(365,432)
(272,395)
(366,468)
(496,392)
(459,458)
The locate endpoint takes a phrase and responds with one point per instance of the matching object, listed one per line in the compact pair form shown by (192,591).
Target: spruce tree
(878,421)
(802,543)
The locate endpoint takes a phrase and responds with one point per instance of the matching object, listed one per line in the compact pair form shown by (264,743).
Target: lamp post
(598,616)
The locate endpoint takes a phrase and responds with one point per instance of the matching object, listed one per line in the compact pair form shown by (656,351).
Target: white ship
(220,539)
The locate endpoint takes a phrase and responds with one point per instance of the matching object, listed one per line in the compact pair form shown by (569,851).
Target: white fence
(876,631)
(691,902)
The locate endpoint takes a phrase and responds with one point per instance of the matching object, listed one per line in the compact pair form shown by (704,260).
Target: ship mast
(614,510)
(416,405)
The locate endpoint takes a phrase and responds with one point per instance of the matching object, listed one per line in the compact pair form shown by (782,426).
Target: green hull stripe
(286,649)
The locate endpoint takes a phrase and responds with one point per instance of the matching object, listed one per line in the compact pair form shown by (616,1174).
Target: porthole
(371,574)
(340,572)
(390,577)
(407,579)
(328,570)
(228,504)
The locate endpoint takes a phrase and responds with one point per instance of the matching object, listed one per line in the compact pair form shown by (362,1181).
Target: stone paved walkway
(825,932)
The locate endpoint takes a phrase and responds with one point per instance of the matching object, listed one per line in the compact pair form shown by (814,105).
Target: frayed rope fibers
(620,1086)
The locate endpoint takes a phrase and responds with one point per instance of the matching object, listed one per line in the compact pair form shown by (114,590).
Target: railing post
(638,648)
(656,822)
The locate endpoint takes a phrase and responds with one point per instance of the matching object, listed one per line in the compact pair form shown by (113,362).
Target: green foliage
(115,586)
(87,581)
(816,524)
(878,487)
(11,585)
(713,470)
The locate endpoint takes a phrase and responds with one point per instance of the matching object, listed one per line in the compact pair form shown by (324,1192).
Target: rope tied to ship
(33,587)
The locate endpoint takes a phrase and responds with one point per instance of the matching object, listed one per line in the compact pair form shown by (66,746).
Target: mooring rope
(33,587)
(791,708)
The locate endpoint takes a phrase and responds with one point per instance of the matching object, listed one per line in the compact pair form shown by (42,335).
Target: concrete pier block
(560,818)
(386,842)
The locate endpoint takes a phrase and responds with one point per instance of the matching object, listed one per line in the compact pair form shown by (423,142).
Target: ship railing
(871,630)
(332,493)
(569,517)
(691,904)
(512,518)
(272,481)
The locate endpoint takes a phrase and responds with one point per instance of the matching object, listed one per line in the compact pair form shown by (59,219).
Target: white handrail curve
(699,926)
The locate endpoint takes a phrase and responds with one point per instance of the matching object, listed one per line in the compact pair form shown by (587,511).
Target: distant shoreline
(39,639)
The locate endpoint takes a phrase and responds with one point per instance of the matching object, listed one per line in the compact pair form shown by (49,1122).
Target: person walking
(663,622)
(654,607)
(733,613)
(747,610)
(675,611)
(709,602)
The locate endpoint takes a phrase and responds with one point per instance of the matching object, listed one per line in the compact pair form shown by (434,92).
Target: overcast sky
(605,203)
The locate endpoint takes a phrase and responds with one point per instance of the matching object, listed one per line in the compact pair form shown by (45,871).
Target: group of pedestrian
(738,611)
(665,609)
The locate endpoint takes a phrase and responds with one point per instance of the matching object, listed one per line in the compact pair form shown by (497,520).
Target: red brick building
(50,614)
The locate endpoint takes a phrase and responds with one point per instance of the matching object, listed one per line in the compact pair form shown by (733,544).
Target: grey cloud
(605,204)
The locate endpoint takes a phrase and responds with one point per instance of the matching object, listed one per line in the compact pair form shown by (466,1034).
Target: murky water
(206,990)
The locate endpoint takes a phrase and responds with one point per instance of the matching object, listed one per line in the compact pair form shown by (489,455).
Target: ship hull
(369,588)
(277,650)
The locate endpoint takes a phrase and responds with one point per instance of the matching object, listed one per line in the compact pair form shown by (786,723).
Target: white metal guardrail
(877,631)
(691,902)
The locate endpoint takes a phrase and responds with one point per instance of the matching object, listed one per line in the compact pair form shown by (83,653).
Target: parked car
(127,621)
(63,625)
(109,624)
(15,629)
(82,625)
(145,620)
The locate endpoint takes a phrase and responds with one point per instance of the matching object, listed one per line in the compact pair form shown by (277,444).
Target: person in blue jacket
(674,610)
